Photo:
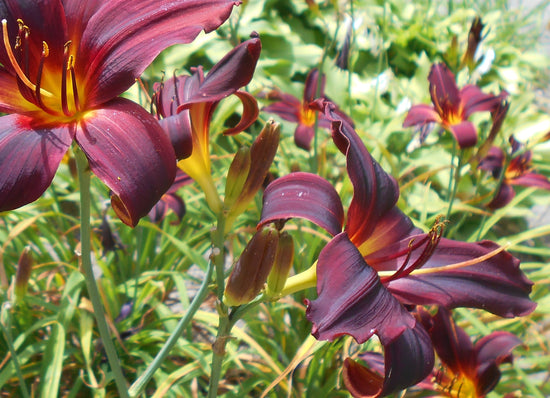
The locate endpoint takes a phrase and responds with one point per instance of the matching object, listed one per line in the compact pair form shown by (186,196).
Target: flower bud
(262,154)
(23,273)
(282,264)
(236,176)
(251,270)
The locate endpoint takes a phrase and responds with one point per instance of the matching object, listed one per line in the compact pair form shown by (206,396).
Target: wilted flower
(518,172)
(63,66)
(185,105)
(369,274)
(451,106)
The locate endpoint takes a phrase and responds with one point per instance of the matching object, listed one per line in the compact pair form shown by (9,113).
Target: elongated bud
(251,270)
(236,176)
(23,273)
(281,267)
(262,153)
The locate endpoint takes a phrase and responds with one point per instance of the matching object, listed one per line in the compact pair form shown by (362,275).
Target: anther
(66,57)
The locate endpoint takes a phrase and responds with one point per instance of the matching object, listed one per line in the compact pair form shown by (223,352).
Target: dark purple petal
(465,134)
(233,71)
(303,195)
(351,299)
(443,89)
(311,86)
(421,114)
(475,100)
(494,283)
(491,351)
(130,153)
(178,128)
(531,180)
(493,162)
(375,191)
(407,360)
(121,39)
(452,344)
(303,135)
(289,107)
(30,155)
(249,115)
(504,195)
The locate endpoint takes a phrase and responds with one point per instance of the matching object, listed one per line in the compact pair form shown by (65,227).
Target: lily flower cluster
(379,266)
(63,67)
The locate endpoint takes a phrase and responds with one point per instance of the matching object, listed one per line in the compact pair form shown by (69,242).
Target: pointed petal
(130,153)
(531,180)
(408,360)
(122,38)
(311,90)
(494,283)
(374,191)
(465,134)
(249,115)
(30,157)
(504,195)
(453,346)
(492,350)
(421,114)
(303,195)
(443,89)
(288,108)
(475,100)
(178,128)
(233,71)
(351,299)
(303,135)
(493,162)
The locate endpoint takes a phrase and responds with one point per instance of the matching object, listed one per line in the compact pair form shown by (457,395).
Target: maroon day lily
(171,200)
(451,106)
(370,273)
(185,105)
(290,108)
(64,63)
(518,172)
(467,370)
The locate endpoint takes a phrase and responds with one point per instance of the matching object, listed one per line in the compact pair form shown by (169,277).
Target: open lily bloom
(467,370)
(368,274)
(451,106)
(518,172)
(185,104)
(292,109)
(64,63)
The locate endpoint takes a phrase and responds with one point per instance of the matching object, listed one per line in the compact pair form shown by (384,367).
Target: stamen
(75,88)
(64,104)
(14,63)
(176,96)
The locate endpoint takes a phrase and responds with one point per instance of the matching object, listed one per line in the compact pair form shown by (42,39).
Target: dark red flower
(370,273)
(64,63)
(171,200)
(518,172)
(452,107)
(467,370)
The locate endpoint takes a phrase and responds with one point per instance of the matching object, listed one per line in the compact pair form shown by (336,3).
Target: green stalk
(5,316)
(93,292)
(454,182)
(142,381)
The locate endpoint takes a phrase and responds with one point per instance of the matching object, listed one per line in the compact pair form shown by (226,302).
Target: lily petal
(421,114)
(178,128)
(303,135)
(494,283)
(30,157)
(351,299)
(119,30)
(465,134)
(531,180)
(249,115)
(374,191)
(233,71)
(443,89)
(504,196)
(303,195)
(288,107)
(475,100)
(311,90)
(408,360)
(128,150)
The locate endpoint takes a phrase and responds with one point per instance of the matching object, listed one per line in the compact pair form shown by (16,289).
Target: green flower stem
(455,182)
(303,280)
(93,292)
(5,318)
(142,381)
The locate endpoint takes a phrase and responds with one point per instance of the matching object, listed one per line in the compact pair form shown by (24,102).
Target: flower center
(19,58)
(455,386)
